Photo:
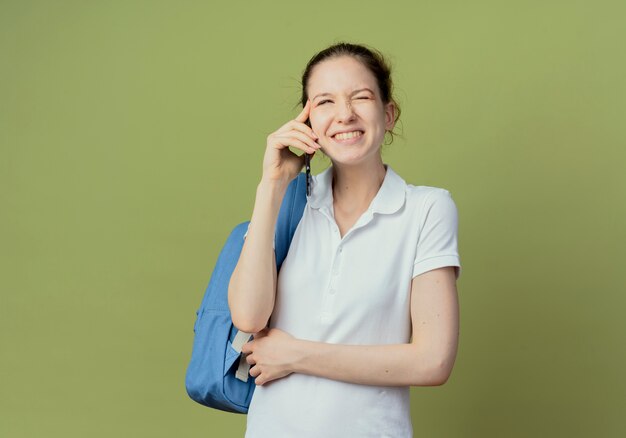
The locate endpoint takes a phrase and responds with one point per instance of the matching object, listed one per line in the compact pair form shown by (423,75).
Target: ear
(390,116)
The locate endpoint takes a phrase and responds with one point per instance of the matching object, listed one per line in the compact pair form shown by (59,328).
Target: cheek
(319,123)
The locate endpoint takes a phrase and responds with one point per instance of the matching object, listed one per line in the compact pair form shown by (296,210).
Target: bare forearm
(252,287)
(381,365)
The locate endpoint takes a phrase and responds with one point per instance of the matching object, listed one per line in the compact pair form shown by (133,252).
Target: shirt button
(331,291)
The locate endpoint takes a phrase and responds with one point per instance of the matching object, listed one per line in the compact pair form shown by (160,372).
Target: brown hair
(371,58)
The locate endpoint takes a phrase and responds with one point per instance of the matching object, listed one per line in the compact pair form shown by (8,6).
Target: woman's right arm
(252,287)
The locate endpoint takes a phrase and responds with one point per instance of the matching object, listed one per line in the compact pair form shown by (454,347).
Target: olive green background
(131,141)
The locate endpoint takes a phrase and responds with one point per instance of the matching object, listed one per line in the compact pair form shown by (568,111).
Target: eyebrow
(351,94)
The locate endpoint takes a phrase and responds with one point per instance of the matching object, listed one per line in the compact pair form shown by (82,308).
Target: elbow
(441,373)
(435,374)
(243,318)
(247,325)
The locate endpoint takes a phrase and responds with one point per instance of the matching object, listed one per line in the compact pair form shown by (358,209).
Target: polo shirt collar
(389,199)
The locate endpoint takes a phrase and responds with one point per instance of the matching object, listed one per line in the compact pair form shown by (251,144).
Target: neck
(354,187)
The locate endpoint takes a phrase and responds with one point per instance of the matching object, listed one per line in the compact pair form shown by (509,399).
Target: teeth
(347,135)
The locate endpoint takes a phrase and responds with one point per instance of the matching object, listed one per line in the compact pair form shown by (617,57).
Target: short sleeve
(273,241)
(437,245)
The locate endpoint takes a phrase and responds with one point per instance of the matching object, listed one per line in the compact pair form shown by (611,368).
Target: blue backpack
(217,375)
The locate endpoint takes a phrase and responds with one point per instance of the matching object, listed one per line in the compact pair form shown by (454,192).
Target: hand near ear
(279,163)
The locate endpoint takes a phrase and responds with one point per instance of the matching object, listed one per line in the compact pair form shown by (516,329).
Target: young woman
(365,305)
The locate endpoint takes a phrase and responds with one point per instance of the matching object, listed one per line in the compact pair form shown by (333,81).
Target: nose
(345,112)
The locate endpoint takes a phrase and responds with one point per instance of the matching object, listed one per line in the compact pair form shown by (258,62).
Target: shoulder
(424,197)
(420,199)
(430,207)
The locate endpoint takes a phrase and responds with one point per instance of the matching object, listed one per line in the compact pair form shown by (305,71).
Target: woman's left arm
(426,361)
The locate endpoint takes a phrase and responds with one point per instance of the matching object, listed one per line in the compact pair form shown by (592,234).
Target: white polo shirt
(353,290)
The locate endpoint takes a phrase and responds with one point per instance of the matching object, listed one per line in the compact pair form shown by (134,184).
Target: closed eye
(321,102)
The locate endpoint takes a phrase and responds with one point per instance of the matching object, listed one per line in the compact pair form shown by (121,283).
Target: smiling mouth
(348,135)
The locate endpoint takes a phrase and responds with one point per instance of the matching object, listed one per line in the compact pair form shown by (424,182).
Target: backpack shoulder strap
(289,216)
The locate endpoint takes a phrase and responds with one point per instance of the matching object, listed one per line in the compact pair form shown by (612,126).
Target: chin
(352,159)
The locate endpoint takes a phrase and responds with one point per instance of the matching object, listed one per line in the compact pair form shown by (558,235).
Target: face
(347,112)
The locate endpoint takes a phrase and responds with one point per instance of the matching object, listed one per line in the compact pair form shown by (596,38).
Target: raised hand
(279,163)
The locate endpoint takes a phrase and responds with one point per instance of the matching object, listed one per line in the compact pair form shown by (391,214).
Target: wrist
(270,194)
(277,186)
(301,350)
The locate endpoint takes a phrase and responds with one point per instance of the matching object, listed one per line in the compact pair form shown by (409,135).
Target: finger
(258,379)
(250,359)
(291,141)
(247,347)
(304,114)
(298,126)
(301,136)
